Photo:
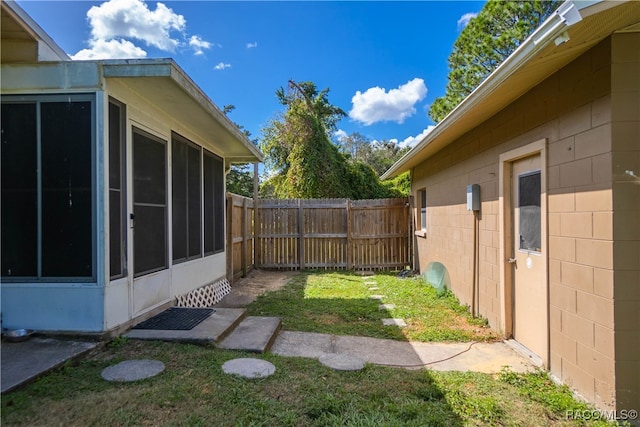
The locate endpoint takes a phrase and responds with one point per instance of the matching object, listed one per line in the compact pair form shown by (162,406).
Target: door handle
(513,261)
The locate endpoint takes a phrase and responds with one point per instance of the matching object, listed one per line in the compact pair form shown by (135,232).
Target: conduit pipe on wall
(475,290)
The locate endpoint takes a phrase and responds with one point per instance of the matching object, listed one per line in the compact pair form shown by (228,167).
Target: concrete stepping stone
(394,322)
(386,307)
(370,283)
(342,362)
(248,367)
(133,370)
(368,274)
(374,288)
(254,333)
(376,297)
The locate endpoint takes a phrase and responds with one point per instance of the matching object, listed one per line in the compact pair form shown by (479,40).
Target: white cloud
(252,45)
(108,49)
(198,45)
(413,140)
(115,23)
(464,19)
(221,66)
(378,105)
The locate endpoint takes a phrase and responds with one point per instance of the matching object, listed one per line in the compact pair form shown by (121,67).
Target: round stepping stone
(376,297)
(342,362)
(394,322)
(133,370)
(248,367)
(386,306)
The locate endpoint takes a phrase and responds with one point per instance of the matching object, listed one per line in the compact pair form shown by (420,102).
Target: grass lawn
(193,391)
(339,303)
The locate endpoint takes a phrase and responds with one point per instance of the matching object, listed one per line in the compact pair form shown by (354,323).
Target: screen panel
(66,189)
(19,190)
(149,203)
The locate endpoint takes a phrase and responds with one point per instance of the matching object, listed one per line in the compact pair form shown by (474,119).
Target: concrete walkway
(478,357)
(22,362)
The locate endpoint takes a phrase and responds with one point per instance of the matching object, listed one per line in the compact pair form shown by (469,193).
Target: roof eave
(34,29)
(166,67)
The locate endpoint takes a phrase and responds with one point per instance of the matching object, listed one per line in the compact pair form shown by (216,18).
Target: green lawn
(193,391)
(339,303)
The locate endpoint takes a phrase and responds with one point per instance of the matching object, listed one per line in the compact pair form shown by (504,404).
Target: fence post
(243,255)
(229,252)
(300,235)
(349,236)
(254,222)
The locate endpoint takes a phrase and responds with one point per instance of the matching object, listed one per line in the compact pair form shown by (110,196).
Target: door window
(529,211)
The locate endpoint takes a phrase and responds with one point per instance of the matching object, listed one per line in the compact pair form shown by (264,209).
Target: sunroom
(113,190)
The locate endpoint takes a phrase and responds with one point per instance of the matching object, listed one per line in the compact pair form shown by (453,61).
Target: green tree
(240,180)
(303,161)
(355,146)
(488,39)
(240,177)
(380,155)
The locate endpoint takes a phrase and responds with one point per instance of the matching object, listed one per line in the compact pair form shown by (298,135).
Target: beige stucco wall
(573,111)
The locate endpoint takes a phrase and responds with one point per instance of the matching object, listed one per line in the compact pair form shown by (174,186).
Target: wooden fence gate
(298,234)
(333,234)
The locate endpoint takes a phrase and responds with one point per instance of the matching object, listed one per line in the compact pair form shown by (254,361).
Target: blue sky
(384,62)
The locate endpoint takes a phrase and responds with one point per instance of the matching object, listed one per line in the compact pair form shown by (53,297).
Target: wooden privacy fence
(333,234)
(298,234)
(240,236)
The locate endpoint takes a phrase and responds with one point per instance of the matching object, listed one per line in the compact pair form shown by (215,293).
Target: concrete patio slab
(211,330)
(23,362)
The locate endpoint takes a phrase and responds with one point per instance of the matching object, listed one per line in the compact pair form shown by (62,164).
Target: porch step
(254,333)
(212,330)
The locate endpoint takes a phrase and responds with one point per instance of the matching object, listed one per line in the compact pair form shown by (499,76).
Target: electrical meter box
(473,197)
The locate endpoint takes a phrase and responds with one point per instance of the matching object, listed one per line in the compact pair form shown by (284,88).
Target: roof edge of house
(37,31)
(565,16)
(168,67)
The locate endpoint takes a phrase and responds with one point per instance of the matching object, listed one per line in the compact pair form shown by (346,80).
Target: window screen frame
(214,223)
(122,161)
(38,100)
(189,220)
(138,131)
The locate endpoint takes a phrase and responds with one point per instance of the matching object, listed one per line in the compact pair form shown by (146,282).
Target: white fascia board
(566,15)
(166,67)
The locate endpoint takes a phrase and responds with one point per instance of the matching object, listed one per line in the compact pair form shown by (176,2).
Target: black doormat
(176,319)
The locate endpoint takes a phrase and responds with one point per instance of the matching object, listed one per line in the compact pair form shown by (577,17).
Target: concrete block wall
(576,111)
(625,168)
